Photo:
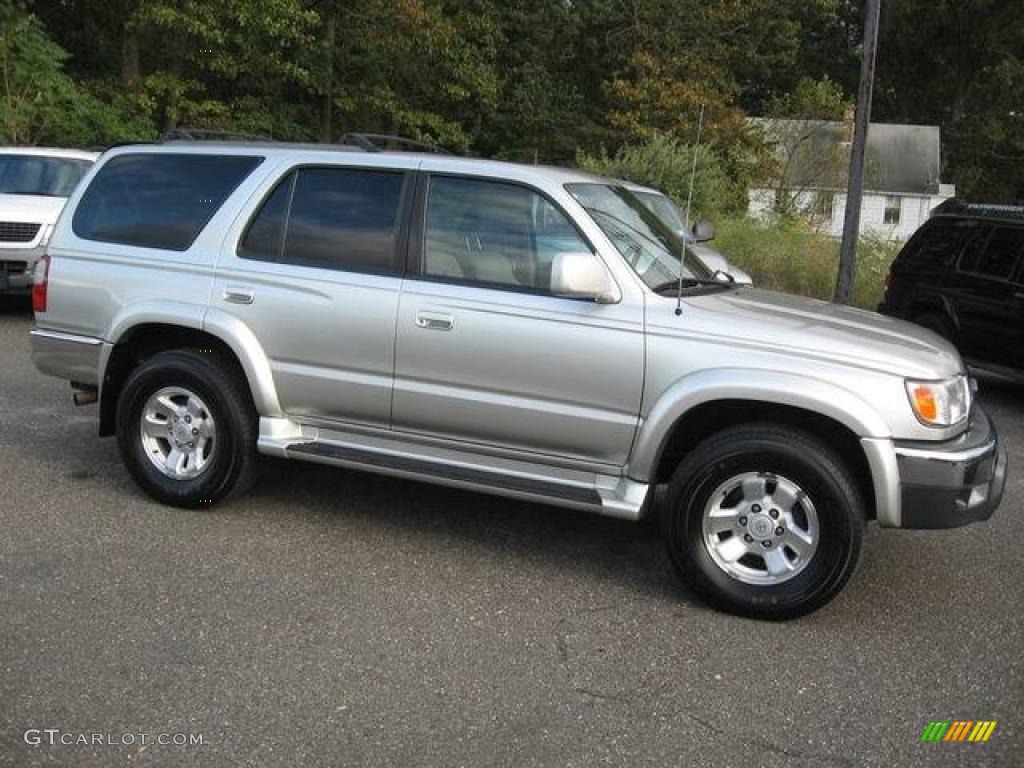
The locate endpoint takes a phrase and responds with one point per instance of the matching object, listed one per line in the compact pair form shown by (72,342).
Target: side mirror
(582,275)
(703,232)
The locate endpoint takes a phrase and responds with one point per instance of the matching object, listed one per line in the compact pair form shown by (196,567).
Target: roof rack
(204,134)
(382,142)
(956,207)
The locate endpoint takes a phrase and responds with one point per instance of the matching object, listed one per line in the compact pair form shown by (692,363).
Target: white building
(901,184)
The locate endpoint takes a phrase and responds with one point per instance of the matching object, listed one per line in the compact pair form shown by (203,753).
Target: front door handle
(434,321)
(238,295)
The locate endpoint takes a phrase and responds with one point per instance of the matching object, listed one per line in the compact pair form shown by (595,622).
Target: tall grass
(791,257)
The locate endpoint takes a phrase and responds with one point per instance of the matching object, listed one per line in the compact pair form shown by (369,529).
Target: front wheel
(764,521)
(186,428)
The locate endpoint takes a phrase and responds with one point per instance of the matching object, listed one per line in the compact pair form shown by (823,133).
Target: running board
(608,495)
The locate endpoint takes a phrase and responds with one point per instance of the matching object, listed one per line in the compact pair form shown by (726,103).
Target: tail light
(40,283)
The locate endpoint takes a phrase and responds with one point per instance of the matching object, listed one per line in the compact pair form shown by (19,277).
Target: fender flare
(772,387)
(250,354)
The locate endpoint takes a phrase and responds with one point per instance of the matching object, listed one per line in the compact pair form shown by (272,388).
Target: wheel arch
(690,411)
(226,336)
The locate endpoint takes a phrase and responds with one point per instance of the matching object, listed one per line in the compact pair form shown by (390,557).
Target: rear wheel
(764,521)
(186,428)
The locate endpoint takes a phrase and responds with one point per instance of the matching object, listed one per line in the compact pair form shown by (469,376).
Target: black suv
(962,276)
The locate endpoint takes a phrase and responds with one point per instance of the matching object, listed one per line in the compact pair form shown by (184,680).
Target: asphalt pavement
(333,618)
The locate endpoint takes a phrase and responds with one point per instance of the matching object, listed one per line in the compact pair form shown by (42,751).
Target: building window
(892,210)
(824,205)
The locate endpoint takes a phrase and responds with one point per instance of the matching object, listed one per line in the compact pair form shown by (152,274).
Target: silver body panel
(528,395)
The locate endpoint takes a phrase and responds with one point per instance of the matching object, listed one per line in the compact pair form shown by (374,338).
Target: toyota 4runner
(519,330)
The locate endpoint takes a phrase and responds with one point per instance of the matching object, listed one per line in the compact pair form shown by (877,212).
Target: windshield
(648,244)
(39,175)
(665,209)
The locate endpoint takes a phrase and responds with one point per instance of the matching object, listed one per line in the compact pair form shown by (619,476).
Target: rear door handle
(1019,295)
(434,321)
(238,295)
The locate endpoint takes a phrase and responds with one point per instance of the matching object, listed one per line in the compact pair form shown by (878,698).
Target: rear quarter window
(158,200)
(937,244)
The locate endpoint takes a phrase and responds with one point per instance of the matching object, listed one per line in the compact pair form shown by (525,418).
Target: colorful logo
(959,730)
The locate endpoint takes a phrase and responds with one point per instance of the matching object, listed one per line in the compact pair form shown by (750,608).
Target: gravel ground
(337,618)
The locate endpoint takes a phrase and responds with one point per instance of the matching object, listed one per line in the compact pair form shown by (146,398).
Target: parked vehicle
(34,185)
(507,328)
(962,276)
(696,236)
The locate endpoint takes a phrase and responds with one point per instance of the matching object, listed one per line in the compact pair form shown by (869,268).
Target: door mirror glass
(582,275)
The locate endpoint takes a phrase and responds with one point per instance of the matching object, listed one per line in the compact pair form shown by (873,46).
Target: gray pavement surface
(338,618)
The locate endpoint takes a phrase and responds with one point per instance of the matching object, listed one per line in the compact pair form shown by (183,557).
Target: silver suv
(519,330)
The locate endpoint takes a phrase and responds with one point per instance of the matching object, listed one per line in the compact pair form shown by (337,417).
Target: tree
(801,154)
(959,64)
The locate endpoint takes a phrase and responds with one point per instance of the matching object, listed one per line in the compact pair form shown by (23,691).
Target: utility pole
(855,187)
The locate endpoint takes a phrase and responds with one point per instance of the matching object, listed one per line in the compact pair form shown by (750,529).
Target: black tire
(232,467)
(938,323)
(778,450)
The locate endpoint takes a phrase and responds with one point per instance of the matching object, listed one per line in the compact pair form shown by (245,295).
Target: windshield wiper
(693,282)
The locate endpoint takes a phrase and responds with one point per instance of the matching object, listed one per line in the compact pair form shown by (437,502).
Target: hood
(35,209)
(816,329)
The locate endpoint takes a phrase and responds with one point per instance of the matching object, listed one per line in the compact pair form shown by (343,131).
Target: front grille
(18,232)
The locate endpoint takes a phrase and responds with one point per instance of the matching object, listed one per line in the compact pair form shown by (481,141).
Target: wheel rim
(178,433)
(760,528)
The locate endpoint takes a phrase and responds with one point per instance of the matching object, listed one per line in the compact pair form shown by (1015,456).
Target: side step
(513,485)
(610,495)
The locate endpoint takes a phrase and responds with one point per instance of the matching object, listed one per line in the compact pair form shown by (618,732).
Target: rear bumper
(952,483)
(67,356)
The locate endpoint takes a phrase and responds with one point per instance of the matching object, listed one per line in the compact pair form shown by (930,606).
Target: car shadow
(617,551)
(15,305)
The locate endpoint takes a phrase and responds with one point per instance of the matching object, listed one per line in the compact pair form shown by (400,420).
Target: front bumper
(952,483)
(17,267)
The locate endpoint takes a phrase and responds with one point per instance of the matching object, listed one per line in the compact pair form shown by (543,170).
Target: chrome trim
(59,336)
(947,456)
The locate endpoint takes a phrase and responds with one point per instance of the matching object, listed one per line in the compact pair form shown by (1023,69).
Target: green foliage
(961,65)
(811,99)
(531,80)
(791,257)
(665,163)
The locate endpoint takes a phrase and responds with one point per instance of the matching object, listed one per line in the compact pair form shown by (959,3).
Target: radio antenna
(689,202)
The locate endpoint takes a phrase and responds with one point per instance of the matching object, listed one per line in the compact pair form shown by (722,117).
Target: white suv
(34,185)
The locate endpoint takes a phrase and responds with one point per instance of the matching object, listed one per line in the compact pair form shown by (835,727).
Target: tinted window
(265,237)
(489,232)
(158,200)
(339,218)
(1001,253)
(37,175)
(971,255)
(938,244)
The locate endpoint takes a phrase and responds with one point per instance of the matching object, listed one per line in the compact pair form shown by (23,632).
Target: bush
(665,163)
(791,257)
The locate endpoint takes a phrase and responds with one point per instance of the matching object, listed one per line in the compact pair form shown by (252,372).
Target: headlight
(940,403)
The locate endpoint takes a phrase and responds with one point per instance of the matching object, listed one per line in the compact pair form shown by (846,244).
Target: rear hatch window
(158,200)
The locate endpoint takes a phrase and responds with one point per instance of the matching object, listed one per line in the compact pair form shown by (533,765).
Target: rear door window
(1001,254)
(158,200)
(334,218)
